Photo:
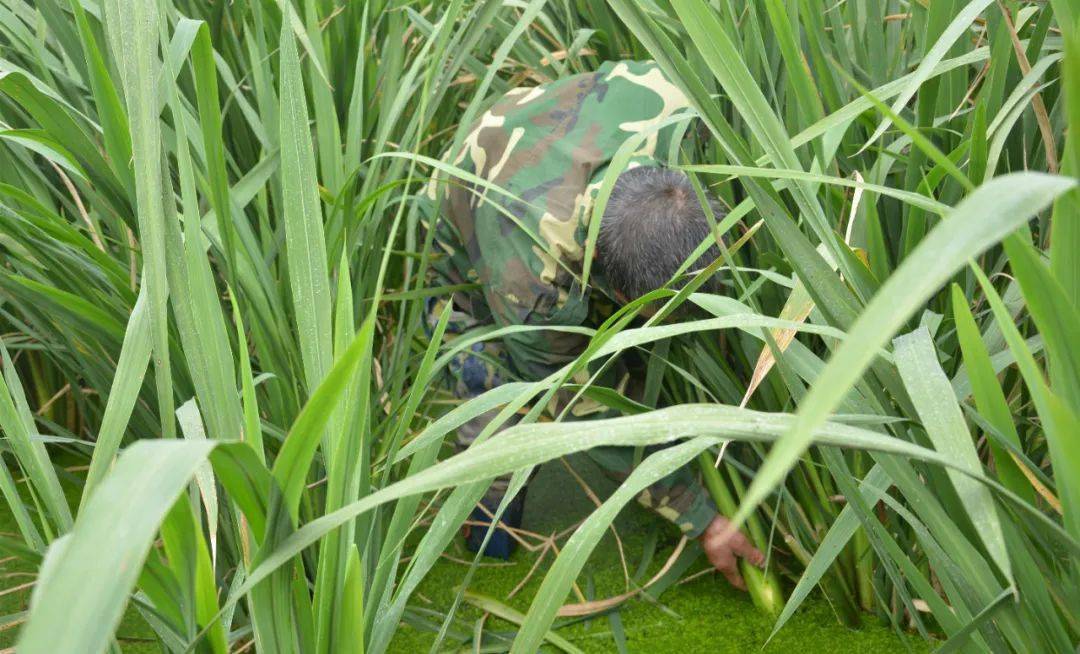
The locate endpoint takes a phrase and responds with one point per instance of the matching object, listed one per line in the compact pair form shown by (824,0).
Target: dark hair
(653,222)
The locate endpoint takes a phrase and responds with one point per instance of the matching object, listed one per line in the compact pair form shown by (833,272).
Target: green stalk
(835,584)
(864,558)
(763,585)
(812,498)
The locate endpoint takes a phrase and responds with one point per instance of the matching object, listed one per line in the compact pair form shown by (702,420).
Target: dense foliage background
(220,405)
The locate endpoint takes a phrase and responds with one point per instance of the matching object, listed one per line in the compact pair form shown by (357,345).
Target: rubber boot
(501,544)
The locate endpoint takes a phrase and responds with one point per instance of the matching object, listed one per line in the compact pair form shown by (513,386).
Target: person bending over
(549,147)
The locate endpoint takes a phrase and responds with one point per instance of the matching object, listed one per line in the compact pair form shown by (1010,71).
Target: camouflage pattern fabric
(549,147)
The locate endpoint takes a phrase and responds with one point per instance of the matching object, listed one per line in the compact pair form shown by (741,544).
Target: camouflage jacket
(548,148)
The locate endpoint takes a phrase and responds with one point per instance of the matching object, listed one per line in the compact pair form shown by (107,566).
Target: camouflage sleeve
(514,294)
(679,498)
(537,354)
(518,294)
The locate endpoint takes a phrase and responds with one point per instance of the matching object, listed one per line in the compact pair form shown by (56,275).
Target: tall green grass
(229,192)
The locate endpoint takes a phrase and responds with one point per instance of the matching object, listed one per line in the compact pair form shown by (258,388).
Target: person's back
(544,152)
(549,147)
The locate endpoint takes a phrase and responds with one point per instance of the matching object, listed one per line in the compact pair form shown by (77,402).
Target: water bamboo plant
(219,400)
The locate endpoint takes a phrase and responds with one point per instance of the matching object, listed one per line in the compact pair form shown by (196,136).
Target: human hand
(723,547)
